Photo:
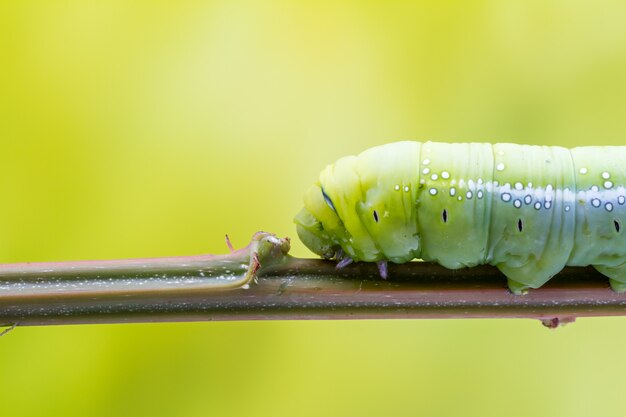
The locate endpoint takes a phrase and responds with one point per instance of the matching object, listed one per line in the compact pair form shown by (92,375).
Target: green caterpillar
(528,210)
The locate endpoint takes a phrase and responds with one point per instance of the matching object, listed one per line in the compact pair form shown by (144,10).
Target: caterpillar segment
(528,210)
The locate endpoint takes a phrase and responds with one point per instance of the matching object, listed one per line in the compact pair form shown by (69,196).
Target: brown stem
(218,287)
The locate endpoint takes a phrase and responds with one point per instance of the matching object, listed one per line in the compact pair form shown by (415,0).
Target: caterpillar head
(318,224)
(360,206)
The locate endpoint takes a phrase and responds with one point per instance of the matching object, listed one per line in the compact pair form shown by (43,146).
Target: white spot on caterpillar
(567,208)
(397,187)
(547,204)
(549,187)
(608,184)
(595,202)
(468,195)
(445,175)
(519,186)
(422,181)
(517,203)
(530,185)
(426,161)
(479,194)
(425,171)
(406,188)
(621,200)
(500,166)
(537,205)
(506,197)
(528,199)
(606,175)
(608,207)
(460,197)
(595,188)
(434,177)
(583,171)
(452,191)
(433,191)
(479,180)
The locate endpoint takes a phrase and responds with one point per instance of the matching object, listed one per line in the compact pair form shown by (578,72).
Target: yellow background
(135,129)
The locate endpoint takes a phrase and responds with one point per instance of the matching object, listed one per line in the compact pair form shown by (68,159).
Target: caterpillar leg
(344,262)
(530,275)
(617,276)
(617,286)
(382,269)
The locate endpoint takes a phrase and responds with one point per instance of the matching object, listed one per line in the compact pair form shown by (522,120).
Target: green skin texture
(528,210)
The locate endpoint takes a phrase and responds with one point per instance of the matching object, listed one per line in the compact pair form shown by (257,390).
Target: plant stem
(219,287)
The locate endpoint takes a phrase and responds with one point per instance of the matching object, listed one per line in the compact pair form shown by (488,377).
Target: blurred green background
(137,129)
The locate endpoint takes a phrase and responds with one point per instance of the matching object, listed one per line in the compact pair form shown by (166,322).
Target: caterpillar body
(528,210)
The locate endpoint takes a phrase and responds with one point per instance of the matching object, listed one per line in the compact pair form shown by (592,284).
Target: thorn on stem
(554,322)
(8,329)
(230,245)
(256,264)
